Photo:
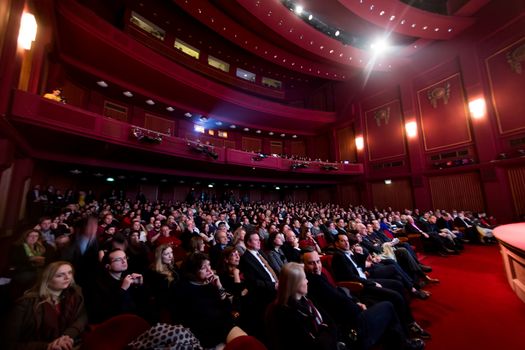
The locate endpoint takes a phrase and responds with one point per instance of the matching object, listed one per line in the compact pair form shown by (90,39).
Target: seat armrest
(353,287)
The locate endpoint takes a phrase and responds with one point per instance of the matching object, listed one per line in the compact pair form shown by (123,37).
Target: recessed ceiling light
(403,21)
(337,33)
(449,30)
(143,179)
(294,136)
(233,126)
(75,172)
(310,17)
(299,9)
(98,174)
(436,29)
(381,13)
(187,115)
(170,109)
(392,18)
(258,132)
(121,177)
(150,102)
(110,179)
(218,123)
(246,129)
(413,25)
(127,93)
(379,46)
(102,83)
(270,133)
(283,135)
(164,180)
(425,27)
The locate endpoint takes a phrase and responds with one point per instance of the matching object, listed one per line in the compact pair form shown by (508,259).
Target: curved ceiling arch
(284,22)
(209,15)
(399,17)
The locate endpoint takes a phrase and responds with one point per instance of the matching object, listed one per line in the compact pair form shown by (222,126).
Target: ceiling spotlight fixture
(218,123)
(210,185)
(310,17)
(127,93)
(203,119)
(299,9)
(258,132)
(98,174)
(277,188)
(75,172)
(187,115)
(283,135)
(170,109)
(294,136)
(110,179)
(388,182)
(102,83)
(150,102)
(379,46)
(246,129)
(270,133)
(233,126)
(337,33)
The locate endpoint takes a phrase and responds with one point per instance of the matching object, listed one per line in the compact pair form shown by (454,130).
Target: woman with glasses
(51,315)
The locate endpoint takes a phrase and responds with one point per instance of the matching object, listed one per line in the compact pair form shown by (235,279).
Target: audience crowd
(293,275)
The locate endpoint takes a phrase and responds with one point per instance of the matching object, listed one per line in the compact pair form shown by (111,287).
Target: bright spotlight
(299,9)
(337,33)
(310,17)
(477,108)
(379,46)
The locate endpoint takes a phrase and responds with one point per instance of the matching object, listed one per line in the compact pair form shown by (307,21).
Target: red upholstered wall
(486,61)
(397,195)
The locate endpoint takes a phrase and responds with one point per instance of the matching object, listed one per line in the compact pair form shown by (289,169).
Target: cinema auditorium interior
(262,174)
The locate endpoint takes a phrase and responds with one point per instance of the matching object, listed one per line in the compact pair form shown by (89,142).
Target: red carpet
(473,307)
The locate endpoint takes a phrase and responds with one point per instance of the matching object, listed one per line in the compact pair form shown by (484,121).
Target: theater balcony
(65,133)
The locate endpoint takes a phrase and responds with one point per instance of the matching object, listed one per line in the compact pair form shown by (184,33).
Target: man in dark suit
(345,268)
(261,281)
(432,241)
(465,225)
(374,323)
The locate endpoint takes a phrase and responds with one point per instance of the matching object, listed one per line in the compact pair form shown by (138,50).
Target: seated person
(115,291)
(231,277)
(293,321)
(371,325)
(430,241)
(27,258)
(201,304)
(276,257)
(55,95)
(138,253)
(51,315)
(162,276)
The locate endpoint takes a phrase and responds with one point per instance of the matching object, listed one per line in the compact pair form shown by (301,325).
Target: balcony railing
(32,109)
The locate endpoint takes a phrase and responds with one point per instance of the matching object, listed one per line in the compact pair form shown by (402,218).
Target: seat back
(115,333)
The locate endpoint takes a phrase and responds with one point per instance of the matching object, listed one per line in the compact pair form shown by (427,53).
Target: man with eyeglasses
(115,291)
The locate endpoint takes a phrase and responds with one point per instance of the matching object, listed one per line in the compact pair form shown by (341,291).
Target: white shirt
(255,253)
(348,254)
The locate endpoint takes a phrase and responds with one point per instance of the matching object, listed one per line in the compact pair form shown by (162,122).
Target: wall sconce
(477,108)
(388,182)
(27,33)
(411,129)
(359,143)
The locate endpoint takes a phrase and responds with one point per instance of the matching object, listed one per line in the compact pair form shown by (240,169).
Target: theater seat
(353,287)
(115,333)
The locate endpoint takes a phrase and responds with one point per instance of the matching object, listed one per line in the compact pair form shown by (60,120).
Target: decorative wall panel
(159,124)
(346,144)
(458,191)
(443,114)
(298,148)
(517,188)
(385,131)
(397,195)
(506,74)
(250,144)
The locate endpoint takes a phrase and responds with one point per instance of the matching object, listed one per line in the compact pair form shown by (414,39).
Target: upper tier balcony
(70,125)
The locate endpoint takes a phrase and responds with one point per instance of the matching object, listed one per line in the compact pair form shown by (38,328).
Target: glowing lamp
(27,33)
(359,143)
(411,129)
(477,108)
(388,182)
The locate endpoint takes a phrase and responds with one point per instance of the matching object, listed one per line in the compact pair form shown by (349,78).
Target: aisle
(473,307)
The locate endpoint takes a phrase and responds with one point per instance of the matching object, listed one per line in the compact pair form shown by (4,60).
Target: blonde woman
(293,321)
(51,315)
(164,274)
